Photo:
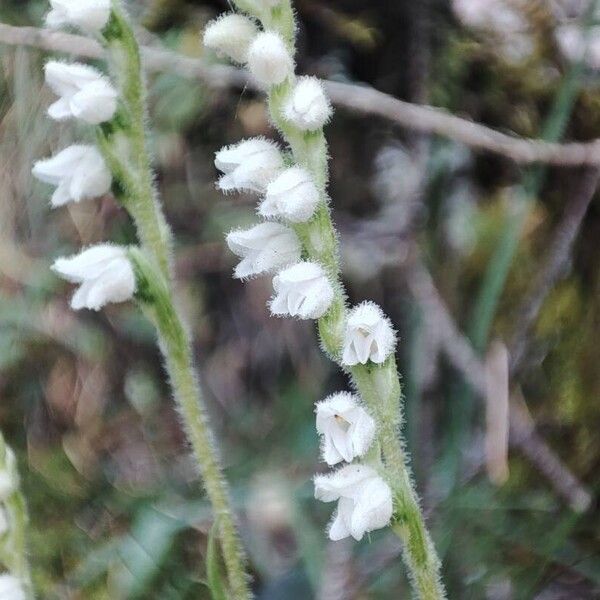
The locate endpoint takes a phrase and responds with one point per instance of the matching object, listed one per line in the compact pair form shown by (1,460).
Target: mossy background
(116,510)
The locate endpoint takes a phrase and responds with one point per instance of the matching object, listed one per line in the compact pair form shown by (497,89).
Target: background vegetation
(114,501)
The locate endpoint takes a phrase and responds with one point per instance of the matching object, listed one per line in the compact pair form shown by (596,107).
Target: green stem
(378,385)
(124,146)
(155,296)
(13,549)
(123,140)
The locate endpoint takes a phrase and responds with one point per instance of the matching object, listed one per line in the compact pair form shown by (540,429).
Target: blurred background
(488,269)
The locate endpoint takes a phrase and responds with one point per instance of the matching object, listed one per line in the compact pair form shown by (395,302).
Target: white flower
(78,172)
(364,500)
(89,15)
(104,272)
(269,59)
(263,248)
(346,427)
(369,335)
(84,93)
(302,291)
(11,588)
(308,107)
(231,35)
(292,196)
(249,165)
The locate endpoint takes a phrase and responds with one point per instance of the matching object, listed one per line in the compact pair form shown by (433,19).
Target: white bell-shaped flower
(104,272)
(78,172)
(346,428)
(263,248)
(364,500)
(369,335)
(269,59)
(89,15)
(292,196)
(249,165)
(231,35)
(303,291)
(84,93)
(11,588)
(308,108)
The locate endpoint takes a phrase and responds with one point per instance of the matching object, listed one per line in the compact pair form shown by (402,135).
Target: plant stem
(124,146)
(378,385)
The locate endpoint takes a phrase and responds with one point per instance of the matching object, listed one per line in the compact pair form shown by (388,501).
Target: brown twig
(362,99)
(556,257)
(464,359)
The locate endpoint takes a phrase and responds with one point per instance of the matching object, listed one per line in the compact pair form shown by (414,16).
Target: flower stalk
(108,273)
(299,109)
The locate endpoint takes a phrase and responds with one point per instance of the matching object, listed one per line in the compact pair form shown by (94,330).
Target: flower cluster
(290,201)
(79,172)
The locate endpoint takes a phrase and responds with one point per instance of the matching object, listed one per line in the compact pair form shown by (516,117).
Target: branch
(462,356)
(556,257)
(362,99)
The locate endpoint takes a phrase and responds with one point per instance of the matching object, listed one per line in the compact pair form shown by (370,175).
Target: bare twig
(362,99)
(557,255)
(462,356)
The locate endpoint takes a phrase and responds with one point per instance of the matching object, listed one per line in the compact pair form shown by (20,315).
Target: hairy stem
(378,385)
(124,146)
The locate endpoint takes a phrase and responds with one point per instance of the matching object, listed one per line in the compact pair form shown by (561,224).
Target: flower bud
(369,335)
(346,428)
(11,588)
(269,59)
(84,93)
(249,165)
(364,501)
(89,15)
(231,35)
(308,107)
(303,291)
(292,196)
(78,172)
(263,248)
(104,272)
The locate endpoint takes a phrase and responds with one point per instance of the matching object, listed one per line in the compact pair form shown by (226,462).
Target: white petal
(340,524)
(346,482)
(61,165)
(292,195)
(11,588)
(308,107)
(60,110)
(269,59)
(95,103)
(66,79)
(89,264)
(373,508)
(231,35)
